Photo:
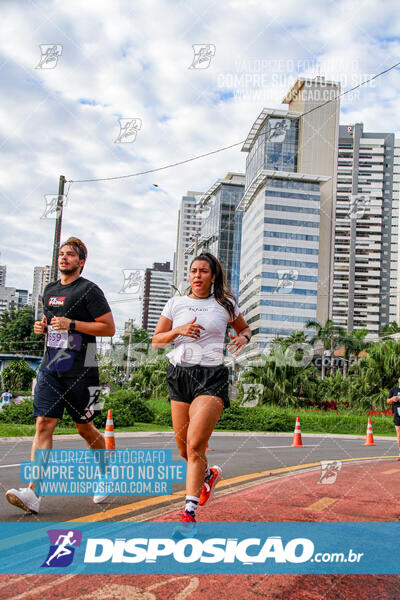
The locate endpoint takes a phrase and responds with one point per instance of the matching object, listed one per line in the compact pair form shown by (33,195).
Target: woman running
(197,377)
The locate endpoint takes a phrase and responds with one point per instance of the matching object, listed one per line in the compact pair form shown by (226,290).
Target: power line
(183,162)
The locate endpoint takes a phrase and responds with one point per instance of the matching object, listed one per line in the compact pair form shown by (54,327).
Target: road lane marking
(303,446)
(158,500)
(391,471)
(322,504)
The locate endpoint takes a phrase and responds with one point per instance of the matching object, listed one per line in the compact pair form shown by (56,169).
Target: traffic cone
(370,438)
(297,442)
(208,449)
(109,432)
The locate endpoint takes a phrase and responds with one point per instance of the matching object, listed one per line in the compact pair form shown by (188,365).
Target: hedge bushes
(127,406)
(17,375)
(273,418)
(20,413)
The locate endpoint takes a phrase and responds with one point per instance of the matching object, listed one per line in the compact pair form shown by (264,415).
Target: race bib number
(57,338)
(398,410)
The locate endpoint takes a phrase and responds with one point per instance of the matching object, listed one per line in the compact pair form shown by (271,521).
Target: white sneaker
(99,498)
(24,498)
(102,492)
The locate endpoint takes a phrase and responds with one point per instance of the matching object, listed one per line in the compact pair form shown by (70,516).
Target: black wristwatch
(247,337)
(72,325)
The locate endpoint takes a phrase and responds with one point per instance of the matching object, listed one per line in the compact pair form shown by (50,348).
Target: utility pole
(57,230)
(128,357)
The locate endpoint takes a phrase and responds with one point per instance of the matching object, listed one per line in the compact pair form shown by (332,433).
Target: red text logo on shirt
(56,301)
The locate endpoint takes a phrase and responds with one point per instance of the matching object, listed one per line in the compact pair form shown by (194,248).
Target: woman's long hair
(222,292)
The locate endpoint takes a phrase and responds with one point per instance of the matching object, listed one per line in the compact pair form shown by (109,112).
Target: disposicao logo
(213,550)
(61,551)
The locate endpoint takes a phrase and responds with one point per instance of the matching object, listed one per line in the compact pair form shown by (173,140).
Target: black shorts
(396,418)
(186,383)
(78,395)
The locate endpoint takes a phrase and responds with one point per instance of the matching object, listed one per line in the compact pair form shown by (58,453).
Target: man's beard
(69,271)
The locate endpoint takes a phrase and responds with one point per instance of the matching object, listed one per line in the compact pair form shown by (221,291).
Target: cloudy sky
(120,59)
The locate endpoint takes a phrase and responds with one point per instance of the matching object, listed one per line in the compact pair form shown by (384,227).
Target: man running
(75,312)
(394,400)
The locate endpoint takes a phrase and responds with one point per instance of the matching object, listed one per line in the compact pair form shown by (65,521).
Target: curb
(140,434)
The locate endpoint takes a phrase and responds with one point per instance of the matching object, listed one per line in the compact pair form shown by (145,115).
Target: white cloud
(131,60)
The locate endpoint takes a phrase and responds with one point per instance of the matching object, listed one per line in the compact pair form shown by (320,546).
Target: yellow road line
(391,471)
(321,504)
(143,504)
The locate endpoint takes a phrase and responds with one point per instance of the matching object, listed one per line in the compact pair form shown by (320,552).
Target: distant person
(197,376)
(6,398)
(394,400)
(75,313)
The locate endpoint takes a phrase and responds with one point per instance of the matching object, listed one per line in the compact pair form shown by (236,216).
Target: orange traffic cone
(208,449)
(109,432)
(297,434)
(370,438)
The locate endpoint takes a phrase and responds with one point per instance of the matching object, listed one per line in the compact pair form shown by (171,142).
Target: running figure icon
(62,548)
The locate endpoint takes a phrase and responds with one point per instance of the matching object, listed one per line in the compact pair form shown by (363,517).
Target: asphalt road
(237,454)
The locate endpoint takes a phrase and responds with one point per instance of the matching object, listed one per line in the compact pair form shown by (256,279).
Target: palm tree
(327,335)
(389,329)
(284,382)
(354,343)
(377,371)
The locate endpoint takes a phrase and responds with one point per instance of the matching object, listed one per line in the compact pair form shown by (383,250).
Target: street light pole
(57,230)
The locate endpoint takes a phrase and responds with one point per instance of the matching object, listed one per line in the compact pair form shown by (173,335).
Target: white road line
(303,446)
(7,466)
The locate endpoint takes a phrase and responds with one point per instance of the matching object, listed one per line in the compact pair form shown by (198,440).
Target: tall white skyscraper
(41,277)
(365,288)
(287,229)
(221,225)
(189,223)
(3,273)
(157,291)
(8,298)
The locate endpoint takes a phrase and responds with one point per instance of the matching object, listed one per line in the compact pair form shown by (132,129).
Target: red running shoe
(207,492)
(186,528)
(187,518)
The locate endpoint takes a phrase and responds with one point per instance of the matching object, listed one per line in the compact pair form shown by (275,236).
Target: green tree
(354,343)
(138,336)
(389,329)
(287,377)
(150,379)
(377,372)
(17,376)
(327,335)
(16,332)
(141,350)
(109,372)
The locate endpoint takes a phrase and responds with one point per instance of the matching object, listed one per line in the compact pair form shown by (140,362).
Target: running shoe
(207,492)
(102,491)
(24,498)
(186,528)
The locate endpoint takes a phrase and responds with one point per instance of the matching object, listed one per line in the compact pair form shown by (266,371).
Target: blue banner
(215,548)
(126,472)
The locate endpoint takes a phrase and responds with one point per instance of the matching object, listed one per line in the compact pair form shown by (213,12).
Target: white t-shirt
(208,349)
